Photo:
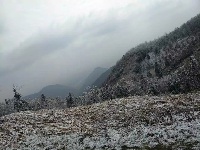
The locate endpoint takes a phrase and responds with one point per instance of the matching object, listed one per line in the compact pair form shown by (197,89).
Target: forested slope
(168,64)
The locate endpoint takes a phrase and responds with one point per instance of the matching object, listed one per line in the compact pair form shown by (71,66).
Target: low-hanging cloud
(1,28)
(34,50)
(53,41)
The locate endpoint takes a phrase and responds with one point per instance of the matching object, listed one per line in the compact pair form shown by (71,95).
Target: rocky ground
(139,122)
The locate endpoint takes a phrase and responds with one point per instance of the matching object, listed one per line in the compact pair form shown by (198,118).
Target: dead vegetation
(118,119)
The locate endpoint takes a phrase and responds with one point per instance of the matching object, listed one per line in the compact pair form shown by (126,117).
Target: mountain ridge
(91,78)
(56,90)
(102,78)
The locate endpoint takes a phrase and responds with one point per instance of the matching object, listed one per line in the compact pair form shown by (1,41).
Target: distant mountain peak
(53,91)
(92,77)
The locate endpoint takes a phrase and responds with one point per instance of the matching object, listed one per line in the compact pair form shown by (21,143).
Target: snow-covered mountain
(169,64)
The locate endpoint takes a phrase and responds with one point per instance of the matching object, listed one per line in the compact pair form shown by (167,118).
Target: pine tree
(69,100)
(17,103)
(43,101)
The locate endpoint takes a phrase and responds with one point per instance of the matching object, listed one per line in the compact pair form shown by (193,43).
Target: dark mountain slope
(53,91)
(168,64)
(92,77)
(102,78)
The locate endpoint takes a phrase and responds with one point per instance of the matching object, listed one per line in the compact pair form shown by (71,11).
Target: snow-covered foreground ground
(139,122)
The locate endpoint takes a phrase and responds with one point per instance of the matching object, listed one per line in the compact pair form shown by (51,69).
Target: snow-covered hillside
(139,122)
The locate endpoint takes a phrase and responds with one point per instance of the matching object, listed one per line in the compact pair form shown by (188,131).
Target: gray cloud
(40,46)
(1,28)
(28,53)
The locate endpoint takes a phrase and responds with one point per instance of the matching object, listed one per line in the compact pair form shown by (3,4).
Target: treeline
(17,104)
(94,95)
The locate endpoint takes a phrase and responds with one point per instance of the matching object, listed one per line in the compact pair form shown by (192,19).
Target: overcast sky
(45,42)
